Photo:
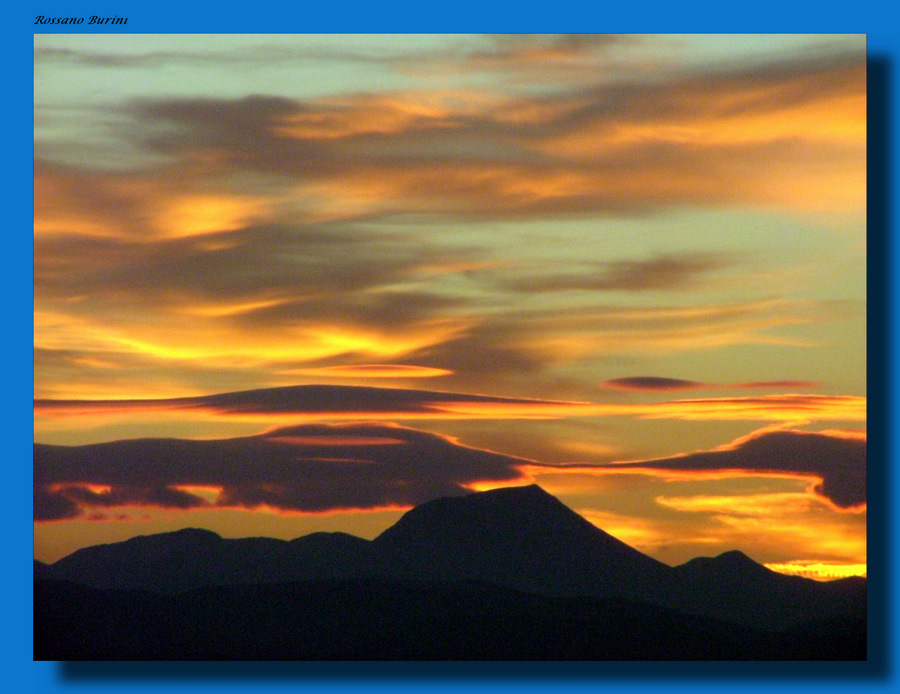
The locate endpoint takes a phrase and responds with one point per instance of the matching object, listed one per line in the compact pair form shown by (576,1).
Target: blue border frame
(653,16)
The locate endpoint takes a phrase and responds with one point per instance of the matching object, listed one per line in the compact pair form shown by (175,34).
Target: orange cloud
(777,526)
(199,214)
(772,525)
(741,504)
(356,402)
(788,134)
(140,206)
(379,114)
(795,409)
(371,371)
(818,570)
(140,263)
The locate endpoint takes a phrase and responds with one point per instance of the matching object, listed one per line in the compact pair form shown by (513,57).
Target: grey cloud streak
(306,399)
(668,271)
(662,384)
(306,271)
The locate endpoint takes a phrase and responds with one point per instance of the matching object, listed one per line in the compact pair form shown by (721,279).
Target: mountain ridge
(520,538)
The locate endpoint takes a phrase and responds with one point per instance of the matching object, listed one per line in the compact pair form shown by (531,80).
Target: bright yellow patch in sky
(818,570)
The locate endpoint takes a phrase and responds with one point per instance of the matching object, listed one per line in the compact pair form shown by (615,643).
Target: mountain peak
(520,537)
(731,567)
(507,511)
(527,491)
(529,495)
(193,533)
(735,557)
(530,489)
(191,537)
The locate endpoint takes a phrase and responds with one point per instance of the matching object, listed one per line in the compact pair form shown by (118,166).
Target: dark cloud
(126,495)
(658,383)
(240,134)
(303,468)
(663,272)
(840,461)
(293,275)
(319,467)
(49,504)
(652,383)
(309,399)
(488,352)
(78,200)
(296,262)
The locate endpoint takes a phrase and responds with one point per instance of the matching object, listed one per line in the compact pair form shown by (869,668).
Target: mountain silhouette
(190,558)
(733,586)
(41,569)
(520,539)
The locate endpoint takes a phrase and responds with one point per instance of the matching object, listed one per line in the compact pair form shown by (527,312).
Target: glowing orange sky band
(788,408)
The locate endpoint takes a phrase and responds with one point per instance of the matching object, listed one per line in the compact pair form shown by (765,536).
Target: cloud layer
(310,468)
(251,238)
(319,401)
(365,402)
(838,460)
(719,137)
(330,467)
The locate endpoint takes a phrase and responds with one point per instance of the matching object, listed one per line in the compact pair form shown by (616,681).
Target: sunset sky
(287,283)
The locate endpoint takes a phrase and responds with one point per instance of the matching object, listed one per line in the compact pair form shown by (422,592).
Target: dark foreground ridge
(400,620)
(507,574)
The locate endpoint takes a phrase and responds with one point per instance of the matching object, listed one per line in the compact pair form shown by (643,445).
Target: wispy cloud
(371,371)
(770,135)
(514,218)
(665,272)
(252,55)
(291,191)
